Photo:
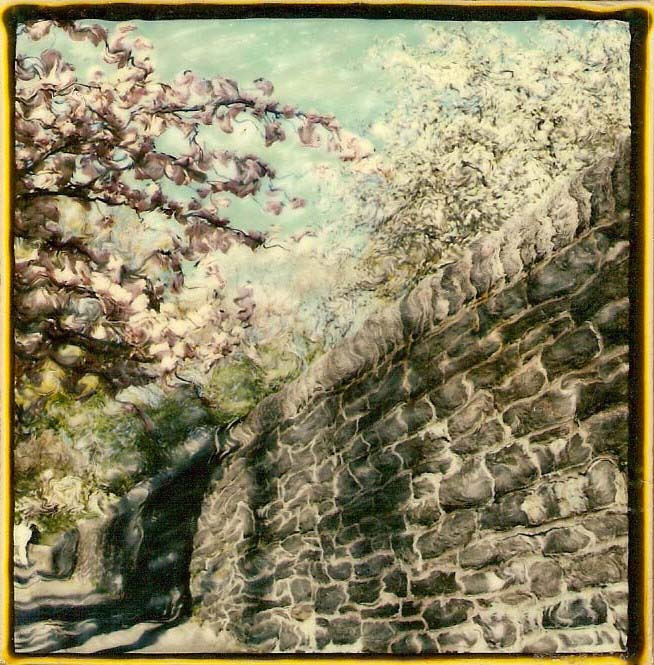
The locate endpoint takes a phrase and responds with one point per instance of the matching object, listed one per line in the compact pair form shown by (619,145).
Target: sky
(325,65)
(314,64)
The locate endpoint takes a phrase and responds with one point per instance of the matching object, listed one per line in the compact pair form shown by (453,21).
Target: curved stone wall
(453,477)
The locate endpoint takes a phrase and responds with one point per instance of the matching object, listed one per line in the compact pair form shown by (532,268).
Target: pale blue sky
(321,64)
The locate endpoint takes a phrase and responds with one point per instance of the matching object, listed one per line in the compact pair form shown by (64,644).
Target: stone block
(404,626)
(613,322)
(422,375)
(535,325)
(425,486)
(416,414)
(608,432)
(604,478)
(479,554)
(345,630)
(322,636)
(429,347)
(412,451)
(572,350)
(289,639)
(443,614)
(387,462)
(503,305)
(545,503)
(493,372)
(498,630)
(340,571)
(546,579)
(428,645)
(461,640)
(559,454)
(596,639)
(378,527)
(402,544)
(618,601)
(351,409)
(546,410)
(365,474)
(386,431)
(450,396)
(301,589)
(320,416)
(545,645)
(339,438)
(365,383)
(262,633)
(361,548)
(455,531)
(481,583)
(389,390)
(411,608)
(609,284)
(511,468)
(382,611)
(608,525)
(565,540)
(475,353)
(376,636)
(396,583)
(471,416)
(329,599)
(425,512)
(386,501)
(373,566)
(456,286)
(363,592)
(524,384)
(356,449)
(405,644)
(318,572)
(510,547)
(576,612)
(565,272)
(470,485)
(436,583)
(347,486)
(293,484)
(487,437)
(597,569)
(505,513)
(576,451)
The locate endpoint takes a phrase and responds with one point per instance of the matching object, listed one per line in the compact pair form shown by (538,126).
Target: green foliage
(239,383)
(169,423)
(74,455)
(277,365)
(51,524)
(235,387)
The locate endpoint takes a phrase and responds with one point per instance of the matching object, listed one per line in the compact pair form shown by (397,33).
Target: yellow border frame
(646,654)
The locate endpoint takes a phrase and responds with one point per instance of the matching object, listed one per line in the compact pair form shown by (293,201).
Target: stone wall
(453,477)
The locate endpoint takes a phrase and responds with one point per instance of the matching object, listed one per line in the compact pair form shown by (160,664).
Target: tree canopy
(489,119)
(92,153)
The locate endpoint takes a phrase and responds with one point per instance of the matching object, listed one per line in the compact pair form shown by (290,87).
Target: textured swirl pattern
(453,477)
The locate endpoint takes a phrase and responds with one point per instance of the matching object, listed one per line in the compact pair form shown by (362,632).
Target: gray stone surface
(453,477)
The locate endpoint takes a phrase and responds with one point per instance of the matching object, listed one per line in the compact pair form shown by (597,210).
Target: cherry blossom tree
(483,127)
(91,157)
